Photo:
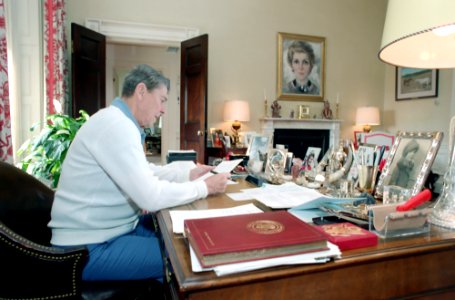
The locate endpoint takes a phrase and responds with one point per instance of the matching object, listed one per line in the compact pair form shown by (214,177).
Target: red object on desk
(415,201)
(232,239)
(348,236)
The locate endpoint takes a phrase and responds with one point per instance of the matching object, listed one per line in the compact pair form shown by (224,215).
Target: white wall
(243,55)
(243,46)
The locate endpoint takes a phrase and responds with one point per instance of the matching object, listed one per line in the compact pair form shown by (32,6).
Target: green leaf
(43,154)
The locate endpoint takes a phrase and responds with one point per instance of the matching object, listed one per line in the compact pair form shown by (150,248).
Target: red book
(232,239)
(348,236)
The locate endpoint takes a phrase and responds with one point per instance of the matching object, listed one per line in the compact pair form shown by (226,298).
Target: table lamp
(367,116)
(421,34)
(236,111)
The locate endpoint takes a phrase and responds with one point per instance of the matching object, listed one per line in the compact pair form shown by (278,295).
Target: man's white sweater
(106,181)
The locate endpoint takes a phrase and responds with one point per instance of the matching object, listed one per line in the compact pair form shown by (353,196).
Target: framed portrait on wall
(416,83)
(301,67)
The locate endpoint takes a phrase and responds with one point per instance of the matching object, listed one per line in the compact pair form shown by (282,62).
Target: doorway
(120,58)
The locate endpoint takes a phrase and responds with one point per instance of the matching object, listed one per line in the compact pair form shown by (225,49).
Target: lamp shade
(368,115)
(236,110)
(419,34)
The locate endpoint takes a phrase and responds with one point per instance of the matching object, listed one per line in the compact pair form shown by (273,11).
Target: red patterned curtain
(55,57)
(6,143)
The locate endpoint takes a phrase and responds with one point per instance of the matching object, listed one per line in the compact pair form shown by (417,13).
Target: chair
(30,267)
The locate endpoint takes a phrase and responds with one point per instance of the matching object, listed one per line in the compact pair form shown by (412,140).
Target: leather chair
(30,268)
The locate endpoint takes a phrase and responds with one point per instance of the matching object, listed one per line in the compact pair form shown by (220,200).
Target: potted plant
(43,154)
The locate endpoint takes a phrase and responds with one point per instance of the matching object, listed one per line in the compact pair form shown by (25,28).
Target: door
(193,96)
(88,64)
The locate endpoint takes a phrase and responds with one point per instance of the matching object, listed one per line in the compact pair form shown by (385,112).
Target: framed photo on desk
(410,161)
(258,147)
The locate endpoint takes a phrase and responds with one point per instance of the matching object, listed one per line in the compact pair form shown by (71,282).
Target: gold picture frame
(304,49)
(304,112)
(425,145)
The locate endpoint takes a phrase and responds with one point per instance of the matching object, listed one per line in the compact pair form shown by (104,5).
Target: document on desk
(179,216)
(306,258)
(286,195)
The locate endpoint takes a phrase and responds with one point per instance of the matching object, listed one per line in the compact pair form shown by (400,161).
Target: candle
(338,98)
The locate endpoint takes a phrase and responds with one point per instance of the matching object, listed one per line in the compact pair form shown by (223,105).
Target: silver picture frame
(425,146)
(258,147)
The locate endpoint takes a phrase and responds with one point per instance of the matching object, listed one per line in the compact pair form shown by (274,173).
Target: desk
(421,267)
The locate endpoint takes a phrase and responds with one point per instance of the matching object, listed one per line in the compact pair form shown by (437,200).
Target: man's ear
(141,89)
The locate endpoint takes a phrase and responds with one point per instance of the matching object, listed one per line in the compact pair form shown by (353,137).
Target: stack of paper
(306,258)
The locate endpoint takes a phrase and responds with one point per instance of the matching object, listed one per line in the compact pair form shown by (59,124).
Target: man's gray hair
(145,74)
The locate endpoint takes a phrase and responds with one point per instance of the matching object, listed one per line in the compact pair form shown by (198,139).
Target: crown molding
(140,33)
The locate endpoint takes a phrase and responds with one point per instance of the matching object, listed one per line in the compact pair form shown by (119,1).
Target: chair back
(25,204)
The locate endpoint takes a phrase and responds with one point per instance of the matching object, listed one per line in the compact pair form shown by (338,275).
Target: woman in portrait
(301,59)
(401,175)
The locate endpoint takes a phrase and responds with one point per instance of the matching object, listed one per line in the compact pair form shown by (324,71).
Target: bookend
(387,222)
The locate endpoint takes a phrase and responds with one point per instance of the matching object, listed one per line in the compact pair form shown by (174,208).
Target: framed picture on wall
(301,67)
(416,83)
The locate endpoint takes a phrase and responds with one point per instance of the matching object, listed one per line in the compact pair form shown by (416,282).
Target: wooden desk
(419,267)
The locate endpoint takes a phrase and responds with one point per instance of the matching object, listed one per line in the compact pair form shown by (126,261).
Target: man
(106,182)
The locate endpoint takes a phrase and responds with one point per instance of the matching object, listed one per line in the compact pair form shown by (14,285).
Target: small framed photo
(416,83)
(410,161)
(304,112)
(358,138)
(301,67)
(258,147)
(217,138)
(276,164)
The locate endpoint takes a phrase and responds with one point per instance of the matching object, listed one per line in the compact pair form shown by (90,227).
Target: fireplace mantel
(268,126)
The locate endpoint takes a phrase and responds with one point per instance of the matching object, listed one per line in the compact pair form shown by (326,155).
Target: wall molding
(140,33)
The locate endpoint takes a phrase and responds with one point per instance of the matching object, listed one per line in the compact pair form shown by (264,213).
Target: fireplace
(297,141)
(299,134)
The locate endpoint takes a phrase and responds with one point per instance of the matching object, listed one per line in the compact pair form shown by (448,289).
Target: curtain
(6,144)
(55,57)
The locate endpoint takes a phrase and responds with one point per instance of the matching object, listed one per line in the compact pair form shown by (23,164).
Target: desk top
(438,240)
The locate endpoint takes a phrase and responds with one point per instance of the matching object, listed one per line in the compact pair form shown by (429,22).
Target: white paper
(241,196)
(179,216)
(306,258)
(226,166)
(285,195)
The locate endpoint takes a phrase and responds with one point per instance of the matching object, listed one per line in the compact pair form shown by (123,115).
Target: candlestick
(265,105)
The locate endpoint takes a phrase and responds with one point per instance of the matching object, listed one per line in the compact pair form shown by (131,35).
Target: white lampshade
(236,110)
(367,116)
(419,34)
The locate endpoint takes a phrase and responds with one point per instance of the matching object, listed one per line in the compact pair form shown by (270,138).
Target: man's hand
(217,183)
(199,171)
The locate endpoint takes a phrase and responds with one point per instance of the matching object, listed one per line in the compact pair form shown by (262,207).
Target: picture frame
(258,147)
(304,112)
(275,165)
(416,83)
(316,152)
(217,138)
(427,144)
(358,138)
(298,45)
